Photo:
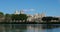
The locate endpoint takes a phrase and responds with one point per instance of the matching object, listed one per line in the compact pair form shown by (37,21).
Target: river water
(29,27)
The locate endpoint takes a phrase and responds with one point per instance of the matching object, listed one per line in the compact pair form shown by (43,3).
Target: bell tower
(16,12)
(21,12)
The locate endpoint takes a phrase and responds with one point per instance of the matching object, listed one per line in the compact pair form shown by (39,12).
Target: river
(29,27)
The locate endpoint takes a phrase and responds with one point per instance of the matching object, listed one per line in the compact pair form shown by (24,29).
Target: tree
(47,19)
(1,14)
(19,17)
(55,18)
(7,17)
(23,17)
(15,17)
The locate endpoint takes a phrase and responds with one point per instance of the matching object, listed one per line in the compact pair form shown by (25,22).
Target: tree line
(22,17)
(48,19)
(8,17)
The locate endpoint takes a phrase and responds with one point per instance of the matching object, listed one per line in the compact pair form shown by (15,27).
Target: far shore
(29,23)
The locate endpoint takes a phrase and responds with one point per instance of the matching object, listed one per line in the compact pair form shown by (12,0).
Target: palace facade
(31,18)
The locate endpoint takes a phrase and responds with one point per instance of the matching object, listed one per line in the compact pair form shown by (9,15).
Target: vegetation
(19,17)
(22,17)
(48,19)
(7,17)
(1,14)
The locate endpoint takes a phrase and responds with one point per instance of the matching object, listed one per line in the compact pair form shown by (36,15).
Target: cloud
(32,9)
(28,10)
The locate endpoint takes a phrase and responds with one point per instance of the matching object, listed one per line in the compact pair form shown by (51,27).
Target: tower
(16,12)
(21,12)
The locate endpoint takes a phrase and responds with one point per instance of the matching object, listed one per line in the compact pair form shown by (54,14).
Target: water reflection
(29,27)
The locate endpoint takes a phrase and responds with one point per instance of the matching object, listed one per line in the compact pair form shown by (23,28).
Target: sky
(49,7)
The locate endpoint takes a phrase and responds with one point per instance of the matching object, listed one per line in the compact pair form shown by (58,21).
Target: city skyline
(50,7)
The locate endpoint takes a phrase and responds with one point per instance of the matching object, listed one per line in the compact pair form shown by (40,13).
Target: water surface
(29,28)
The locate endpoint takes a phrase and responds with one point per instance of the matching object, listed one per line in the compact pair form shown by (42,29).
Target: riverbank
(12,22)
(29,23)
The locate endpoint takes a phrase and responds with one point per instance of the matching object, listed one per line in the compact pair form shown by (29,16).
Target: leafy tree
(1,14)
(19,17)
(23,17)
(15,17)
(7,17)
(47,19)
(55,18)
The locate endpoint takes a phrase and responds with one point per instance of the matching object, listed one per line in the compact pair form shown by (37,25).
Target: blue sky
(50,7)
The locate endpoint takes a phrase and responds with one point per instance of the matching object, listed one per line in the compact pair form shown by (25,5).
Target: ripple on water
(29,28)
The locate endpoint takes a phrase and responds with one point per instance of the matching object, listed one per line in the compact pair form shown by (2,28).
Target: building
(37,17)
(19,12)
(31,18)
(16,12)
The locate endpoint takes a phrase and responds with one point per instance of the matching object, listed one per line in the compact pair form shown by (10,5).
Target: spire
(16,12)
(21,12)
(43,14)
